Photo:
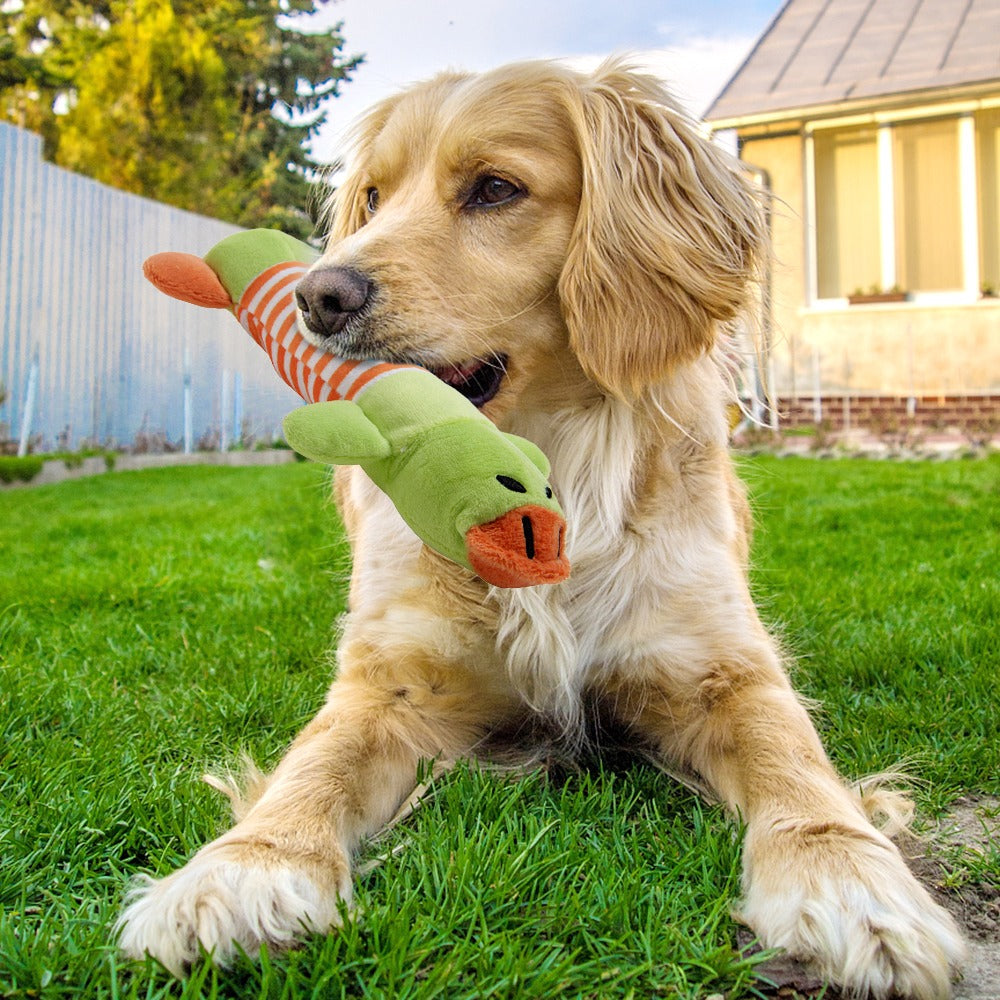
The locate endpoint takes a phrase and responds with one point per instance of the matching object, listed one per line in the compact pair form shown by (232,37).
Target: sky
(695,47)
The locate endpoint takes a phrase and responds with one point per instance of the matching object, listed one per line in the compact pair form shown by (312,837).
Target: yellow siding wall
(901,350)
(781,157)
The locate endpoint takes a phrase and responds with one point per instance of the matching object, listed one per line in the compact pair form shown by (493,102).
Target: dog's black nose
(329,297)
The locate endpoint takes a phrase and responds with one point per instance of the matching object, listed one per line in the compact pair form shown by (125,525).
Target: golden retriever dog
(569,252)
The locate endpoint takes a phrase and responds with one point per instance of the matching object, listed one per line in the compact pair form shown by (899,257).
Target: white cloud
(695,69)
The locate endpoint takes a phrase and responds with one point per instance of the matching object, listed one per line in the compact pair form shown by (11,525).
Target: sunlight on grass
(154,625)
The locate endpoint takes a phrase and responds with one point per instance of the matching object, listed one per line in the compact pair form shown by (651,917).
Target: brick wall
(884,414)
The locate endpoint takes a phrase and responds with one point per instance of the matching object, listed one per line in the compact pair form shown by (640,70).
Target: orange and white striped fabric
(266,310)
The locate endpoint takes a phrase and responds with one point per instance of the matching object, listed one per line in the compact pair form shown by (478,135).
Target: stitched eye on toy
(372,205)
(511,484)
(548,492)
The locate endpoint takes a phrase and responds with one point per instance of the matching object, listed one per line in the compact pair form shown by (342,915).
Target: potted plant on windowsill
(876,294)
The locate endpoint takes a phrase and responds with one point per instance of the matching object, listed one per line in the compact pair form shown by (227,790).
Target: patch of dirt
(973,825)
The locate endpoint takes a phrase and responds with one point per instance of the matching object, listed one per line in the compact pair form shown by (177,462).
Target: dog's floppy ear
(668,236)
(344,211)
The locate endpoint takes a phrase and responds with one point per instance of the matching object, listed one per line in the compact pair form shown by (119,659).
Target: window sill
(910,301)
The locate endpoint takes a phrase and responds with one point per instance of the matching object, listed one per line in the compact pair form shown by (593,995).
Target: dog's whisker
(474,322)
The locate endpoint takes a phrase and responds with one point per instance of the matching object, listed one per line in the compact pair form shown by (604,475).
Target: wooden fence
(89,351)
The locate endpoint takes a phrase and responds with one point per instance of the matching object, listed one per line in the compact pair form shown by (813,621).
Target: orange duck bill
(522,548)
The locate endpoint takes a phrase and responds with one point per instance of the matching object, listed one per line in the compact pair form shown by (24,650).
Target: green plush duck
(471,492)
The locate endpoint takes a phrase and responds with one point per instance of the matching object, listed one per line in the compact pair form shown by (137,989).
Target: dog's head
(490,223)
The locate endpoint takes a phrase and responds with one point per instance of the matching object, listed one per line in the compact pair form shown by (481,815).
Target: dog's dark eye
(372,200)
(490,191)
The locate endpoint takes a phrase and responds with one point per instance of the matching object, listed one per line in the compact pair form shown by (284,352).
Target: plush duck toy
(469,491)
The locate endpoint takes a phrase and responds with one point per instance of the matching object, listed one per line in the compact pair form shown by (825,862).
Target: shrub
(24,469)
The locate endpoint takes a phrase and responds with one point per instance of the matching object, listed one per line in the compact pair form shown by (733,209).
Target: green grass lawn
(154,625)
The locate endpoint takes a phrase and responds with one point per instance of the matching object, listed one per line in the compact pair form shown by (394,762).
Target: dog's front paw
(843,901)
(226,898)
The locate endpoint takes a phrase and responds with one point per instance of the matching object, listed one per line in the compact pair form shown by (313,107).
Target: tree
(204,106)
(28,74)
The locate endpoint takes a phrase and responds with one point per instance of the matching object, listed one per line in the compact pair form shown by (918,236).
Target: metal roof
(819,52)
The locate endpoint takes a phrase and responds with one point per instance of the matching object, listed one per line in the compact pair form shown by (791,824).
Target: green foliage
(74,459)
(203,106)
(23,469)
(153,625)
(26,67)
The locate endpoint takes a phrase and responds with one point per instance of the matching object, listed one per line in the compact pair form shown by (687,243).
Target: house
(875,124)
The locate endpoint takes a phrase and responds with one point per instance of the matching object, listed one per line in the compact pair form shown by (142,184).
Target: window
(988,164)
(927,206)
(847,211)
(912,204)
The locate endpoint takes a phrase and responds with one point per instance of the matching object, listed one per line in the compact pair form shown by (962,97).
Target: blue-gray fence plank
(110,348)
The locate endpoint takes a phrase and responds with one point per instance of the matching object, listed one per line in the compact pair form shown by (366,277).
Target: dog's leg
(282,870)
(819,880)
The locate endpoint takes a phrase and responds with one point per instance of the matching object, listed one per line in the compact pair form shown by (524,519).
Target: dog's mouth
(478,380)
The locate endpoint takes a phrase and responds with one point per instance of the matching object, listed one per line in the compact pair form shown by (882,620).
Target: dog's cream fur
(607,283)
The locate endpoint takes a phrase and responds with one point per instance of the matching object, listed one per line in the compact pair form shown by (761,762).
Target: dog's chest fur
(554,638)
(650,530)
